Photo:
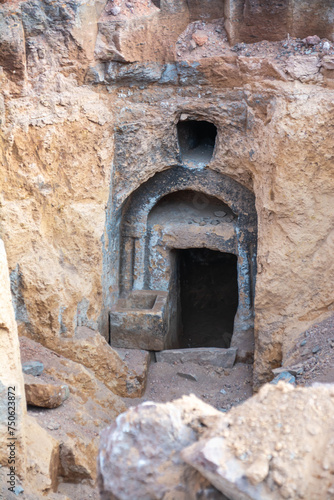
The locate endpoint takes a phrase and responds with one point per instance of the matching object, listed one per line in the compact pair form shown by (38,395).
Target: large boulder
(140,453)
(122,372)
(277,445)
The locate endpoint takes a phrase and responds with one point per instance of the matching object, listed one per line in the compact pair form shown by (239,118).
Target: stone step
(208,356)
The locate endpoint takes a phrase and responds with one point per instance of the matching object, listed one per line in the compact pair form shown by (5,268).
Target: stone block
(137,362)
(140,321)
(44,394)
(91,350)
(78,458)
(208,356)
(140,453)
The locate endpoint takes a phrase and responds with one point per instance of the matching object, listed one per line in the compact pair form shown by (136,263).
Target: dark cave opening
(208,297)
(197,140)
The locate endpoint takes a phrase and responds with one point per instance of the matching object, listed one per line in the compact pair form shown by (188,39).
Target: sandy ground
(222,388)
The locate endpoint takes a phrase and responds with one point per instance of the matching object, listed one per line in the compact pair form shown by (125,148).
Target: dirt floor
(222,388)
(225,388)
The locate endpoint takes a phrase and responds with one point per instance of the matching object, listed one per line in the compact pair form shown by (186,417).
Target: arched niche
(142,249)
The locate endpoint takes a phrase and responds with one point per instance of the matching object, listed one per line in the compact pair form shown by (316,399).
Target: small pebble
(303,343)
(18,490)
(33,368)
(114,11)
(187,376)
(316,349)
(285,377)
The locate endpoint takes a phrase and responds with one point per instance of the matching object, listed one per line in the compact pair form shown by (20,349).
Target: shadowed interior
(209,297)
(196,140)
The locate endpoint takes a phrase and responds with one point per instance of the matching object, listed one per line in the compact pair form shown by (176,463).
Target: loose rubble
(277,445)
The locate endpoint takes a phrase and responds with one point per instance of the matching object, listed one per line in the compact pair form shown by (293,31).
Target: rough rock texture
(10,377)
(26,491)
(47,395)
(140,453)
(42,457)
(33,368)
(81,381)
(137,362)
(66,96)
(76,423)
(287,451)
(123,376)
(276,445)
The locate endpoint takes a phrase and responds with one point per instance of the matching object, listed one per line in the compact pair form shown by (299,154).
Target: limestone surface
(75,424)
(209,356)
(11,378)
(42,458)
(123,374)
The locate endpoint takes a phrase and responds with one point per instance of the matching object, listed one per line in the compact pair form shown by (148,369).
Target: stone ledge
(209,356)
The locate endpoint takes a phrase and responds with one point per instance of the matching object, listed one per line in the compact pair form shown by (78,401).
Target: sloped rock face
(12,396)
(277,445)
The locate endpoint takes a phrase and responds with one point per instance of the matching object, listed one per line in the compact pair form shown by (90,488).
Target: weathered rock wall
(13,401)
(56,157)
(72,151)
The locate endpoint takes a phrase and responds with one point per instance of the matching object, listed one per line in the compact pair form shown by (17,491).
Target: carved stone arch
(138,205)
(135,250)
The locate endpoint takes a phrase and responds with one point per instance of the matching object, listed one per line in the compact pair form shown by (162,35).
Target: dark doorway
(197,140)
(209,297)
